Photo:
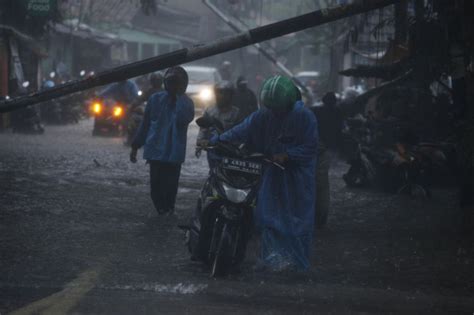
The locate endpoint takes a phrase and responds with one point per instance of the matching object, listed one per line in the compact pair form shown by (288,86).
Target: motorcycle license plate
(242,166)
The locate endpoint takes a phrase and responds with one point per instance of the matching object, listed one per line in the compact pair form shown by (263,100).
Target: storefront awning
(84,32)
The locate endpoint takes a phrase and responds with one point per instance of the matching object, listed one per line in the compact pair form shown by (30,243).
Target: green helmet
(278,93)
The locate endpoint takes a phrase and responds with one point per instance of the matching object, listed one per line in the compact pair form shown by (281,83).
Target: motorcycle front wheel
(222,261)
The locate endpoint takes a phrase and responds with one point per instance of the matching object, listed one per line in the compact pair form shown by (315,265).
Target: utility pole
(185,55)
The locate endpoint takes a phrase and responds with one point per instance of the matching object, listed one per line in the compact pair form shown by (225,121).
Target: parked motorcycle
(221,228)
(72,110)
(27,120)
(402,165)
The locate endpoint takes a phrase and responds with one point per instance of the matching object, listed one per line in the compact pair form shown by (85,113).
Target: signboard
(40,7)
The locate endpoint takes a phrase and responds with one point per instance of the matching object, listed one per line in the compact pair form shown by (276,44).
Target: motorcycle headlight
(235,195)
(206,94)
(97,108)
(118,111)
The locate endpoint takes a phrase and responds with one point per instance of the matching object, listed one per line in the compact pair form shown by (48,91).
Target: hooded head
(241,82)
(224,91)
(176,81)
(156,80)
(329,99)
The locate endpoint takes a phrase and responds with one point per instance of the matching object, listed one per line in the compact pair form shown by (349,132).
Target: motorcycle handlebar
(264,158)
(275,164)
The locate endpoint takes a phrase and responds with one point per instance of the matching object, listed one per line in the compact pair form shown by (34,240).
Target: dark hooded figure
(225,70)
(244,99)
(330,121)
(224,111)
(163,134)
(137,109)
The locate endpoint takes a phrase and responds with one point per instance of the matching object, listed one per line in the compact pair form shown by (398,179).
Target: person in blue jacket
(163,134)
(286,131)
(124,92)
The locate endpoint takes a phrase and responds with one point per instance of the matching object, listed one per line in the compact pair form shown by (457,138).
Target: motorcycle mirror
(218,124)
(204,122)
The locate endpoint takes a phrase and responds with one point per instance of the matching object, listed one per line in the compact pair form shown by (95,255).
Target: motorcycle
(109,117)
(71,111)
(50,111)
(27,120)
(219,232)
(400,167)
(368,167)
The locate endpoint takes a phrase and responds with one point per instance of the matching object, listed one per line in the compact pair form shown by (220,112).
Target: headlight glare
(97,108)
(118,111)
(235,195)
(206,94)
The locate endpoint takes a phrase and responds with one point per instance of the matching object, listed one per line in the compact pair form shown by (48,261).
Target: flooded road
(79,235)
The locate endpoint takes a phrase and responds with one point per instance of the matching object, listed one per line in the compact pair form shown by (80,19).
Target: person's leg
(172,181)
(466,192)
(156,186)
(322,188)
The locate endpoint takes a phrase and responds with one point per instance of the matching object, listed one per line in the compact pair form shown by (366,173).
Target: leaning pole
(262,50)
(185,55)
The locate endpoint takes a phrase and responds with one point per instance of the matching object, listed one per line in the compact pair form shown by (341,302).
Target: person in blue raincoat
(124,92)
(163,134)
(287,131)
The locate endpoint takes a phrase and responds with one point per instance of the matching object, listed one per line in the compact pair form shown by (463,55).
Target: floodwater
(79,235)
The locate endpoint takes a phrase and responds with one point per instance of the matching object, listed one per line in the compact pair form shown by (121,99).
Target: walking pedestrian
(163,134)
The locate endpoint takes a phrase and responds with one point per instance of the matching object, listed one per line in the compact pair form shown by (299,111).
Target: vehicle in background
(307,76)
(201,85)
(310,79)
(109,117)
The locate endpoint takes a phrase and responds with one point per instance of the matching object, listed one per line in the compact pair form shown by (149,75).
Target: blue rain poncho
(122,92)
(285,203)
(163,131)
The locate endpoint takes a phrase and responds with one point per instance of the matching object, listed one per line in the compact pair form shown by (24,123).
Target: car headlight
(235,195)
(206,94)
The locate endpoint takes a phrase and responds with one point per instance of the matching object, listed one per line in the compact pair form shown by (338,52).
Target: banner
(40,7)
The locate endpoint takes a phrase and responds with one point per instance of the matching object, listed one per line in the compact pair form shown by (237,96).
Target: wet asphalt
(79,235)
